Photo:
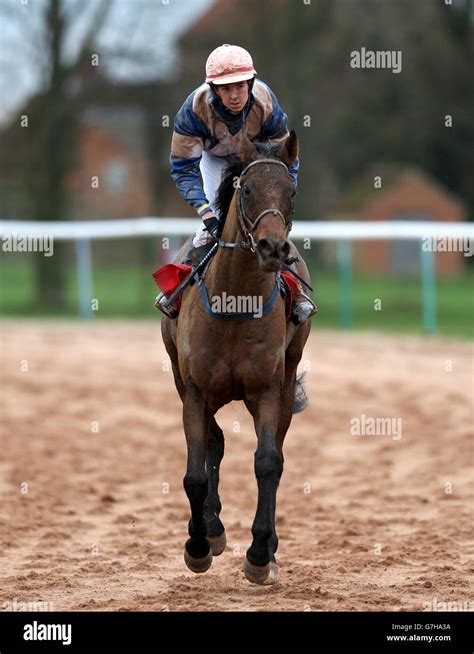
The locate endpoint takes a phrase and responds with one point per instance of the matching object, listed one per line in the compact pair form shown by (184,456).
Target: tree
(358,117)
(52,121)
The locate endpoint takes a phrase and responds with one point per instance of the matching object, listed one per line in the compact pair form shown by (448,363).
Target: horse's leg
(286,413)
(293,356)
(196,418)
(268,463)
(215,452)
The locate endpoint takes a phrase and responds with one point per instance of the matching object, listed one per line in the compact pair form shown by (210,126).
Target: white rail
(82,232)
(320,230)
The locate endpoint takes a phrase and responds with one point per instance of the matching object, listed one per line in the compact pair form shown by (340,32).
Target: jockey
(207,130)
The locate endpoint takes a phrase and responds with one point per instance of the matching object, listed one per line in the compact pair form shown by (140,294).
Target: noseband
(248,226)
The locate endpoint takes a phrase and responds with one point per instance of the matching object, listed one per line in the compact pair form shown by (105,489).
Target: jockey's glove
(212,226)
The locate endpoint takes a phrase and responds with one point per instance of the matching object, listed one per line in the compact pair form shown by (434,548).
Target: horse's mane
(226,189)
(234,169)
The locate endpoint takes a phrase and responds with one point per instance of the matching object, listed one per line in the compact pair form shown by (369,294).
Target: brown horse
(254,360)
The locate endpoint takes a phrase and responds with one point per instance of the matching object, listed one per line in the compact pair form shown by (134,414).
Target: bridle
(247,226)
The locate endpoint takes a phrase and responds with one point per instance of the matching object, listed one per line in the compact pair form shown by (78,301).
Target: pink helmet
(229,63)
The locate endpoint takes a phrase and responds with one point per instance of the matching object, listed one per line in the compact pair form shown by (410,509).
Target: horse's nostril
(273,250)
(265,248)
(282,250)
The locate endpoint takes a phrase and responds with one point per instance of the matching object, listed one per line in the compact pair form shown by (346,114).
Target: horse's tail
(300,401)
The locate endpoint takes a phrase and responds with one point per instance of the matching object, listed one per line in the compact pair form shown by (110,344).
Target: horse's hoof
(198,565)
(217,543)
(257,574)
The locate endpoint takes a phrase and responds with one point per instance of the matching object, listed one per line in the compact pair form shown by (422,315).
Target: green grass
(130,293)
(401,304)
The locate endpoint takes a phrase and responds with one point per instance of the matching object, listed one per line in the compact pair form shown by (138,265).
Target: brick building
(405,194)
(112,177)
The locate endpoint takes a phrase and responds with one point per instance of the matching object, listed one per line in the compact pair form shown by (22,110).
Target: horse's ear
(247,150)
(289,149)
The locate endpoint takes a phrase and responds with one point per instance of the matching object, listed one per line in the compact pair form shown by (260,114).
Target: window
(116,174)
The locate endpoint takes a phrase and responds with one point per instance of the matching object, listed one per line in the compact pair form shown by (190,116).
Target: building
(398,193)
(112,177)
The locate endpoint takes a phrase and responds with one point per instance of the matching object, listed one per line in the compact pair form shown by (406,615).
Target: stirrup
(172,312)
(302,309)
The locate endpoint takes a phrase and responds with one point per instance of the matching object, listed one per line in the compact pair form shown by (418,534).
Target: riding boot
(303,308)
(172,312)
(191,256)
(185,256)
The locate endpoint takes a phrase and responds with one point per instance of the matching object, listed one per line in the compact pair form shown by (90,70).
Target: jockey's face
(234,96)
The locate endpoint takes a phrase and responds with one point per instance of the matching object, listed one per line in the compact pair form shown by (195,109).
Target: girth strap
(237,316)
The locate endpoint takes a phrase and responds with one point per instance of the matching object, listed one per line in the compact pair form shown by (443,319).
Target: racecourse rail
(343,232)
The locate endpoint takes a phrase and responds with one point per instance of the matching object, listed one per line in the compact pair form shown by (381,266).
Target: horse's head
(266,197)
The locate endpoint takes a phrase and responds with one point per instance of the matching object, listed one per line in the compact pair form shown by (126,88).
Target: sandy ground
(92,441)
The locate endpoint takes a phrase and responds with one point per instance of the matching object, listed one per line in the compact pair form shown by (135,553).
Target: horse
(255,360)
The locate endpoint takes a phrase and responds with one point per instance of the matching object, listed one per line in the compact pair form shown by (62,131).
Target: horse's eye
(294,193)
(247,191)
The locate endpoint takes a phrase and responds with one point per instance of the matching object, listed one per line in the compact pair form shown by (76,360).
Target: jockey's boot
(185,256)
(193,255)
(171,312)
(303,308)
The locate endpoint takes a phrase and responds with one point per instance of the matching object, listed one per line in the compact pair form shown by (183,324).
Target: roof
(218,11)
(362,191)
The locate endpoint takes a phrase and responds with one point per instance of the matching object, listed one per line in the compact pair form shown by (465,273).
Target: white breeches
(211,171)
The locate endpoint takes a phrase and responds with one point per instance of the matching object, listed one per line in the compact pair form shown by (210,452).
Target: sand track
(93,427)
